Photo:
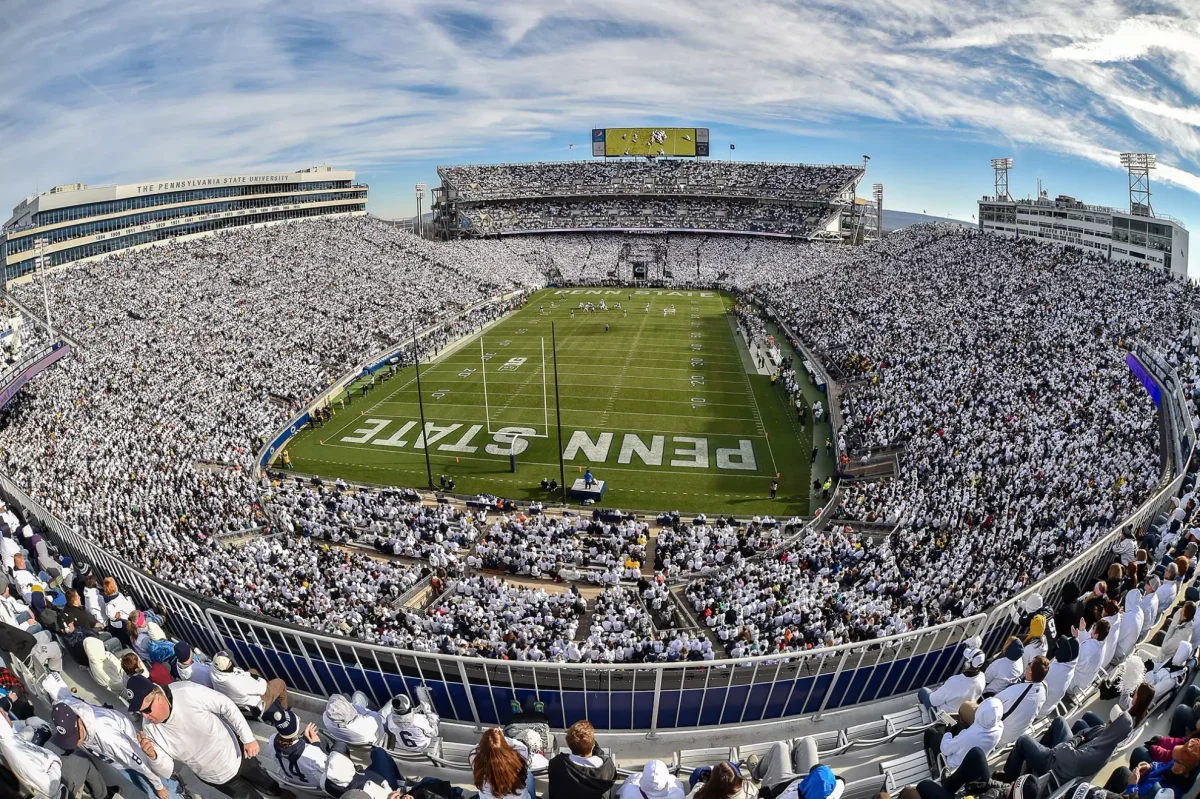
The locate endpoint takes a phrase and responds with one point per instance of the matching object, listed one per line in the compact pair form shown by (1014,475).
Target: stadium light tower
(420,196)
(877,193)
(1001,167)
(1139,166)
(40,265)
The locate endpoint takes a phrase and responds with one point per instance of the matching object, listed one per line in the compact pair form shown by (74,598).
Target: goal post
(487,411)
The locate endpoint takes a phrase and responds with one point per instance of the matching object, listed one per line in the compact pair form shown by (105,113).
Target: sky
(119,92)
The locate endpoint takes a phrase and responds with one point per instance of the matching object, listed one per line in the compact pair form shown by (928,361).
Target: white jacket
(1057,680)
(205,730)
(366,728)
(119,608)
(1131,626)
(94,602)
(34,766)
(1023,714)
(110,735)
(8,550)
(1002,673)
(310,765)
(1088,664)
(1149,612)
(196,672)
(10,606)
(956,690)
(984,733)
(1111,640)
(242,687)
(415,734)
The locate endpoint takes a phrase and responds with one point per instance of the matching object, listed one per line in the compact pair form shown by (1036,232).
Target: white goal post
(487,411)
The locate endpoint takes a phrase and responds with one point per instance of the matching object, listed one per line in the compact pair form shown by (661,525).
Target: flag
(571,146)
(731,146)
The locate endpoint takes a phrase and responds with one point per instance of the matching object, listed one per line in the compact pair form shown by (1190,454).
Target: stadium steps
(651,550)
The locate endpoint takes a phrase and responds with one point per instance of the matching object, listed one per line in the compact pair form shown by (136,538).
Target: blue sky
(931,89)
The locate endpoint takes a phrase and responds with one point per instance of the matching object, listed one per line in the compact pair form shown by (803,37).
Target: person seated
(1062,671)
(1091,653)
(653,782)
(1022,701)
(1147,779)
(722,781)
(381,779)
(104,666)
(586,772)
(1077,754)
(247,690)
(413,728)
(784,774)
(500,767)
(1005,669)
(302,759)
(973,778)
(352,722)
(188,667)
(34,766)
(1165,676)
(966,686)
(978,728)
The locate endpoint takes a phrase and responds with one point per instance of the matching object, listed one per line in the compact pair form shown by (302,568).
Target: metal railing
(618,696)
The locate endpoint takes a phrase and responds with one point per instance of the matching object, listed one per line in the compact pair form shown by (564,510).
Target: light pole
(40,263)
(417,226)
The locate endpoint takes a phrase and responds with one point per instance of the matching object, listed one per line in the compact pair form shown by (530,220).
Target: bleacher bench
(915,716)
(829,741)
(746,750)
(903,771)
(864,788)
(453,755)
(688,759)
(868,733)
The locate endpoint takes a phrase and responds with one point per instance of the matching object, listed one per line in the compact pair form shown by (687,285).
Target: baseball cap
(222,661)
(66,726)
(137,688)
(183,650)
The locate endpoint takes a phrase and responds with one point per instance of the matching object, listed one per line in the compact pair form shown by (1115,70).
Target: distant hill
(894,220)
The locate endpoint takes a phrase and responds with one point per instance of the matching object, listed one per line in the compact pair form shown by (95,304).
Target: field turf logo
(677,451)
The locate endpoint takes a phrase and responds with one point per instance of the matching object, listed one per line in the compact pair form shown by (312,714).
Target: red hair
(498,765)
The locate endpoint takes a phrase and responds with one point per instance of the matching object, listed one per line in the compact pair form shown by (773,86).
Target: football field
(666,408)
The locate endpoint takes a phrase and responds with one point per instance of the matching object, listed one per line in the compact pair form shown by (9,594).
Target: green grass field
(666,409)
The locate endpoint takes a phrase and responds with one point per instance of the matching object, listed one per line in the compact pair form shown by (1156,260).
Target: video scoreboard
(636,142)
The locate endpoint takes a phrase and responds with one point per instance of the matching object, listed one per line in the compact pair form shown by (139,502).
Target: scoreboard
(635,142)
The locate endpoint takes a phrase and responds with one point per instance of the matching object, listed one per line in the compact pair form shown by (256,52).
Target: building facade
(1159,241)
(74,222)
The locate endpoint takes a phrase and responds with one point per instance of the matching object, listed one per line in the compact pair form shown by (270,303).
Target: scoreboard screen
(635,142)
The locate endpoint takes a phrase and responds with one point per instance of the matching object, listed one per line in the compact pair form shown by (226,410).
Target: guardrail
(618,696)
(15,378)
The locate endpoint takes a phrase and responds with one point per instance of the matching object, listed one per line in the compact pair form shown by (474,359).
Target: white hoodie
(984,733)
(350,723)
(1057,680)
(1023,713)
(956,690)
(242,687)
(1131,625)
(1090,653)
(34,766)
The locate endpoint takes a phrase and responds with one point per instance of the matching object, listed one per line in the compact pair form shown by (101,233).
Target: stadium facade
(75,221)
(1157,240)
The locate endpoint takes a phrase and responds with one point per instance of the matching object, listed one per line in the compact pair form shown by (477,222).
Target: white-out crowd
(997,365)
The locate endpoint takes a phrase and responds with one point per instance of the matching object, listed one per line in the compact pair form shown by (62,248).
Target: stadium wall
(648,697)
(31,366)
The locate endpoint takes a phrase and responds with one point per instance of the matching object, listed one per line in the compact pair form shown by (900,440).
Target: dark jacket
(570,780)
(83,620)
(1085,754)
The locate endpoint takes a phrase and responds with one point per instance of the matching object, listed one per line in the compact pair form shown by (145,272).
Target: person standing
(203,729)
(774,486)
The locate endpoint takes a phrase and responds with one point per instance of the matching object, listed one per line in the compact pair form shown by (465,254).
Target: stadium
(688,449)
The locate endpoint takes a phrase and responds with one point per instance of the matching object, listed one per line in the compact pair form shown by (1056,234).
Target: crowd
(676,177)
(998,365)
(707,213)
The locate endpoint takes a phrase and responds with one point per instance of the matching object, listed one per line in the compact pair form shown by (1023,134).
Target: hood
(1133,600)
(819,783)
(340,710)
(988,714)
(1015,651)
(1182,653)
(1066,651)
(1070,592)
(655,780)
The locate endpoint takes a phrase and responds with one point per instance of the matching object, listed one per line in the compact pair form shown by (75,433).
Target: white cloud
(124,91)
